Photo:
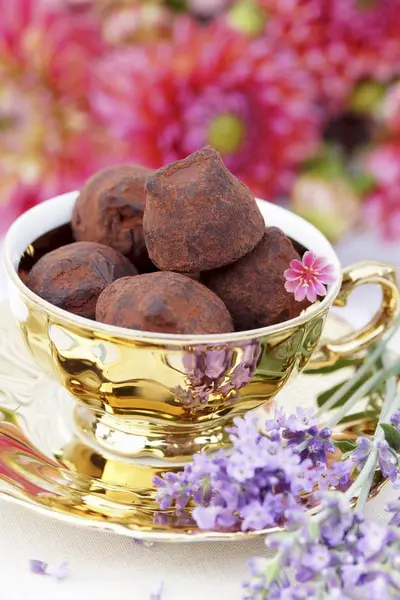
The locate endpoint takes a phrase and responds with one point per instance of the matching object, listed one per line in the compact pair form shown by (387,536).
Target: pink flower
(306,278)
(210,85)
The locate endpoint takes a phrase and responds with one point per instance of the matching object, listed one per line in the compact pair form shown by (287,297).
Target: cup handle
(353,276)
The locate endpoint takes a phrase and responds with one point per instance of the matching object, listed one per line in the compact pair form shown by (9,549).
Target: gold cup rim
(57,211)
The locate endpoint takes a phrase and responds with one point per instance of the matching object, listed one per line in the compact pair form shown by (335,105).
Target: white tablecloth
(105,566)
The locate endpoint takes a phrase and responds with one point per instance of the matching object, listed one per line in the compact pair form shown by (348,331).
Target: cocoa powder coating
(253,287)
(109,210)
(73,276)
(163,302)
(198,215)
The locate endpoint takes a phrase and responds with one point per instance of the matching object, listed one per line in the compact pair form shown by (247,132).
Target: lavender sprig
(259,483)
(263,481)
(334,556)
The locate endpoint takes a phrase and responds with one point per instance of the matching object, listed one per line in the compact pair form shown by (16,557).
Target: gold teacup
(142,394)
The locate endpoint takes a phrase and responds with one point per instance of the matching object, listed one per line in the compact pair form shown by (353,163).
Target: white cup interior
(56,212)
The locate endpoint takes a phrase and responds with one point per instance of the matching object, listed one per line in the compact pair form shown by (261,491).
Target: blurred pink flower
(370,31)
(209,85)
(207,8)
(390,110)
(382,211)
(337,41)
(382,205)
(49,141)
(306,278)
(133,23)
(48,44)
(383,163)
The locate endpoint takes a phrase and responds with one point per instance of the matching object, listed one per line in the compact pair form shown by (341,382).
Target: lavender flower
(176,487)
(337,475)
(394,508)
(333,555)
(216,371)
(142,543)
(395,420)
(302,429)
(59,572)
(388,461)
(303,420)
(38,566)
(361,452)
(157,595)
(260,482)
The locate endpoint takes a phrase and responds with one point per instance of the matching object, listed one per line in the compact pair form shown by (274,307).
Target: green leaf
(345,445)
(327,164)
(177,5)
(392,436)
(324,397)
(360,416)
(367,95)
(362,183)
(342,363)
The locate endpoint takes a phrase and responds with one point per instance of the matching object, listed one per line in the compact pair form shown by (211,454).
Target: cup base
(133,439)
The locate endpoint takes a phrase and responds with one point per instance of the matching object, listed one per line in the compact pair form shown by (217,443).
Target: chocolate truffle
(198,216)
(109,210)
(163,302)
(72,277)
(253,287)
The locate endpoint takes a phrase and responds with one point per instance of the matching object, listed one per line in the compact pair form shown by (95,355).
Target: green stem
(362,391)
(363,474)
(391,388)
(390,405)
(370,384)
(368,364)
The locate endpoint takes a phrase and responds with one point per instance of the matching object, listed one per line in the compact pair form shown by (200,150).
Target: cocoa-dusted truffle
(198,215)
(72,277)
(109,210)
(253,287)
(163,302)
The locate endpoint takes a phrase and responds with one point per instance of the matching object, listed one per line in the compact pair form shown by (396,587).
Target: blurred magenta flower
(209,85)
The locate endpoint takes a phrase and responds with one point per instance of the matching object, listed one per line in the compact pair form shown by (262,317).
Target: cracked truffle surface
(163,302)
(109,210)
(198,215)
(253,287)
(73,276)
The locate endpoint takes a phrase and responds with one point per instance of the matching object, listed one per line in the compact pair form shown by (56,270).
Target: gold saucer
(49,465)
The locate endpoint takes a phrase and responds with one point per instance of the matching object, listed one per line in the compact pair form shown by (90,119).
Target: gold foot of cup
(133,438)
